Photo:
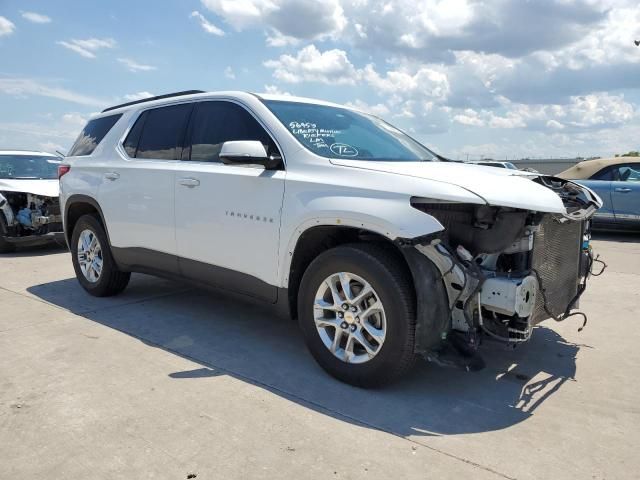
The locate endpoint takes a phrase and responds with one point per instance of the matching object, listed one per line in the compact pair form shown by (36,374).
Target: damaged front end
(503,270)
(28,219)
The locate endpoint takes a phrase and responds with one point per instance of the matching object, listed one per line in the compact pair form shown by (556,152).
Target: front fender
(390,217)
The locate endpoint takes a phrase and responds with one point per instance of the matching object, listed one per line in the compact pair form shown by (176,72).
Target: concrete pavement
(166,381)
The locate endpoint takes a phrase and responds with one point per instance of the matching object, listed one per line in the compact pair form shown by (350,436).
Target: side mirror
(247,152)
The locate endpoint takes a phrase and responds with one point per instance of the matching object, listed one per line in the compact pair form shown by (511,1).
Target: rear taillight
(63,169)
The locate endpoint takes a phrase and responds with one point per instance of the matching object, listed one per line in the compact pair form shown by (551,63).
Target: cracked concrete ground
(165,381)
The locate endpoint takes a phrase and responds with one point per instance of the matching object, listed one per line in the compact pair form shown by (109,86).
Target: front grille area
(556,258)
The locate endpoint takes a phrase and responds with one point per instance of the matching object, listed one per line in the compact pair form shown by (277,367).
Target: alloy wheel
(350,317)
(90,255)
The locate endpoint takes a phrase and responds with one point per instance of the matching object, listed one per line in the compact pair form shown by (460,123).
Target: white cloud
(554,125)
(26,86)
(206,25)
(56,133)
(610,43)
(379,109)
(312,65)
(426,82)
(229,73)
(74,120)
(6,27)
(599,110)
(88,48)
(36,17)
(132,97)
(238,13)
(275,90)
(289,18)
(590,112)
(470,117)
(277,39)
(135,67)
(510,120)
(76,48)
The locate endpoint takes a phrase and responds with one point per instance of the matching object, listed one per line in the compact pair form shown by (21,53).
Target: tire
(391,283)
(110,280)
(5,247)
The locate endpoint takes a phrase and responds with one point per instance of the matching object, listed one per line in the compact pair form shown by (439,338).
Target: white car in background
(495,164)
(382,250)
(29,204)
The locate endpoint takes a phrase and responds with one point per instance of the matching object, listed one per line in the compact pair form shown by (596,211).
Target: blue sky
(498,79)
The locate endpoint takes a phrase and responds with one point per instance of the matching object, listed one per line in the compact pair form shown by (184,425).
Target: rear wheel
(93,263)
(356,309)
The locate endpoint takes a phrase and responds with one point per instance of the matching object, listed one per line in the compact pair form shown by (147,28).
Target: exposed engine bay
(28,215)
(506,269)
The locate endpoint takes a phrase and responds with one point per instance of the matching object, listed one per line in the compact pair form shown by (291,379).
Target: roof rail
(150,99)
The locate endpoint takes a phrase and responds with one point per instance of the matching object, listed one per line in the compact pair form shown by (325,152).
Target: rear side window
(160,132)
(217,122)
(131,143)
(92,134)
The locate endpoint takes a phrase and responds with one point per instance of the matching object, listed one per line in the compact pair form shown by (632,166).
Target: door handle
(112,175)
(623,189)
(189,182)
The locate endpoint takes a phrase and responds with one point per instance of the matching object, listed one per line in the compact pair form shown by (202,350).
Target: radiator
(556,257)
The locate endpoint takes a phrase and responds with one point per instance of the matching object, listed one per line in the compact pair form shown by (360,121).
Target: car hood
(496,186)
(46,188)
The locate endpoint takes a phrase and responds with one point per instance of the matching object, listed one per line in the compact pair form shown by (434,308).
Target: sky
(470,79)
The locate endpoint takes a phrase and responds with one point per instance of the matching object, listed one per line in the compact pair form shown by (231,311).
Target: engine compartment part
(479,228)
(510,296)
(505,270)
(27,215)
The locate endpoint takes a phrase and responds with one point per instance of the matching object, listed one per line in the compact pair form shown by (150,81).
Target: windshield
(28,167)
(334,132)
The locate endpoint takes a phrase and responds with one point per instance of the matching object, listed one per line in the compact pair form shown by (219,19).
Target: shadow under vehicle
(243,340)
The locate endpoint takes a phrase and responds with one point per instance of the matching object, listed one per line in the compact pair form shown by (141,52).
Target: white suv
(382,249)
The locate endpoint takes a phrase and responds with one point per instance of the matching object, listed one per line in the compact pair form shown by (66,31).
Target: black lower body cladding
(433,318)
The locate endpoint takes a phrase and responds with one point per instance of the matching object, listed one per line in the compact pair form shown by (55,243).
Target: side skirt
(200,274)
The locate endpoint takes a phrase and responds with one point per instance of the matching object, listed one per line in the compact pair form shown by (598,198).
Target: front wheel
(356,309)
(93,263)
(5,247)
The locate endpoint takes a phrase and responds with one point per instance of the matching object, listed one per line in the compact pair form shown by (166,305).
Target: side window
(132,140)
(606,174)
(92,134)
(629,172)
(162,132)
(217,122)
